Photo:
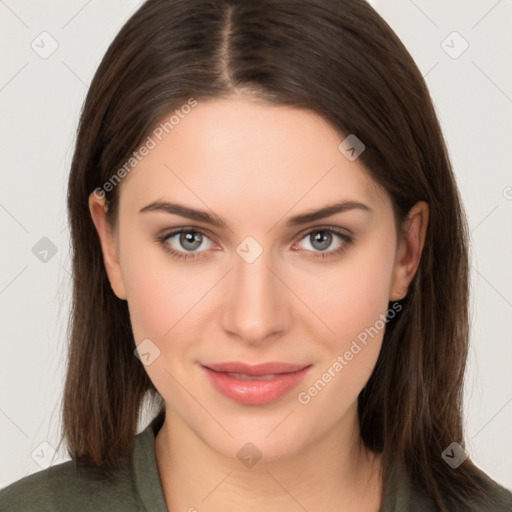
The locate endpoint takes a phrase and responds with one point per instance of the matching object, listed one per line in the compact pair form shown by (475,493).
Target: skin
(255,165)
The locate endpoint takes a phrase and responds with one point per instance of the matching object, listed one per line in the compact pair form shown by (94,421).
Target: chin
(263,439)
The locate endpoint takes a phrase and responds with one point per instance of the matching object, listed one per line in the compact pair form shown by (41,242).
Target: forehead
(248,155)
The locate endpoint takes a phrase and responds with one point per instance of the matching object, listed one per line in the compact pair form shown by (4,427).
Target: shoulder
(64,487)
(402,494)
(135,487)
(499,499)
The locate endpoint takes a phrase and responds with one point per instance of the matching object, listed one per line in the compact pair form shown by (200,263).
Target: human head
(341,61)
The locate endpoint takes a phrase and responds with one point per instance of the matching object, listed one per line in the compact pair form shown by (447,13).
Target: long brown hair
(341,60)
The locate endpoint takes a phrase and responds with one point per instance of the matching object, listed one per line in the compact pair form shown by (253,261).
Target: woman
(268,243)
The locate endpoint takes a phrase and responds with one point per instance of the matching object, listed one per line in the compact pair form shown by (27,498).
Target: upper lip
(255,369)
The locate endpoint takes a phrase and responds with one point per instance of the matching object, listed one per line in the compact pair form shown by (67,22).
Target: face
(261,285)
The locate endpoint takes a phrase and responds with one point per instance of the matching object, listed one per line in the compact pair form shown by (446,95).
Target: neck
(335,472)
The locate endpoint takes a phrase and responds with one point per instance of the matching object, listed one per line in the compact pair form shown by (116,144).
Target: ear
(98,209)
(410,247)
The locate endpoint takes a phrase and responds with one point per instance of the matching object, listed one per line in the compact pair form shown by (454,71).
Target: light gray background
(40,101)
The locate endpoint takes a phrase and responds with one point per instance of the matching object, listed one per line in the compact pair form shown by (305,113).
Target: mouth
(255,384)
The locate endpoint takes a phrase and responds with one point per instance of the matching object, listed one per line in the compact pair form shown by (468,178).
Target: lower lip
(255,392)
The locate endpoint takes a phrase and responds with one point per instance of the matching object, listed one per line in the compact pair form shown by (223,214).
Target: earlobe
(409,251)
(98,209)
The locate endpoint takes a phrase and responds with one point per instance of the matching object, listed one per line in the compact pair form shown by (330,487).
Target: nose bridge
(255,304)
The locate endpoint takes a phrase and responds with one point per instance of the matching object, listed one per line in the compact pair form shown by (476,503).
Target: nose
(255,307)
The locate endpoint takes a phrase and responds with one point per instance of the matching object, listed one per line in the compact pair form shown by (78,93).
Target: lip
(270,380)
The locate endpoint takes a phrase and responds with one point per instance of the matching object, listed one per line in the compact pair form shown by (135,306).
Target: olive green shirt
(138,487)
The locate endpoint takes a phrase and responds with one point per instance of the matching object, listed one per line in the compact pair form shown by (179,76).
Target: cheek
(351,295)
(161,303)
(158,293)
(354,305)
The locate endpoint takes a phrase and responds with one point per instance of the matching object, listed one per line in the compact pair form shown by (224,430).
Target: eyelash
(179,255)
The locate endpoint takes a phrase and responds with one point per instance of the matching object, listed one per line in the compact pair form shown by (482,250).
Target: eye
(321,239)
(184,243)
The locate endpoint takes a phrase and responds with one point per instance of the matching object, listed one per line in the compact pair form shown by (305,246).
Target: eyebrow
(214,220)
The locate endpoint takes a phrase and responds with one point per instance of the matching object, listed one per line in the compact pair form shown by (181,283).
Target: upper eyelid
(335,229)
